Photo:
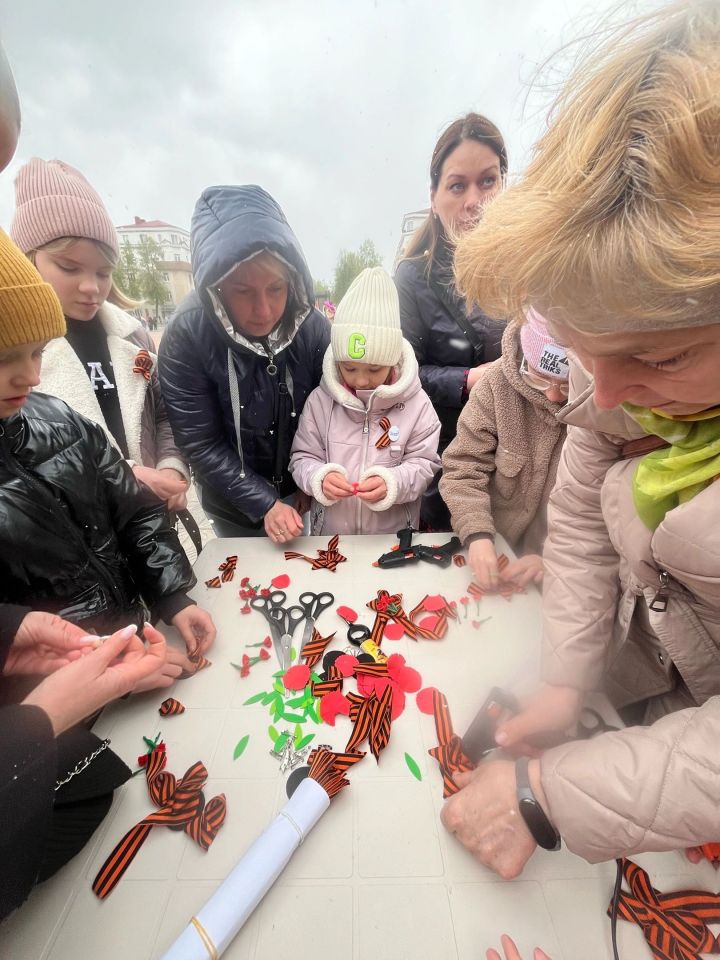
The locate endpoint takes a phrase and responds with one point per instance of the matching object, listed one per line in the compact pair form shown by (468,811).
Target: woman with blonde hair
(614,235)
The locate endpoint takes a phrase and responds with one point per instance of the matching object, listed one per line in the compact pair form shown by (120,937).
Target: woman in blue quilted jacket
(239,359)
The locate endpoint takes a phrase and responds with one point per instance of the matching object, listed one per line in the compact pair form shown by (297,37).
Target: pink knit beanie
(542,353)
(54,200)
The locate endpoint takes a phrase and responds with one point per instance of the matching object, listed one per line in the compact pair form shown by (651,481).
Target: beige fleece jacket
(499,470)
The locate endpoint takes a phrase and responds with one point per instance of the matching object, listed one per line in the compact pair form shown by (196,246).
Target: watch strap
(542,830)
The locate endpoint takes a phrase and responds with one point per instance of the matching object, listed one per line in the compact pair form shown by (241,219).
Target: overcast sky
(333,106)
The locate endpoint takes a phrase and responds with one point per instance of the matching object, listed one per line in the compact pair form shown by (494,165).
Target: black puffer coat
(240,477)
(79,535)
(442,349)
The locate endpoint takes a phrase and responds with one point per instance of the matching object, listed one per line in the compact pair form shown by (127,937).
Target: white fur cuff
(317,482)
(390,483)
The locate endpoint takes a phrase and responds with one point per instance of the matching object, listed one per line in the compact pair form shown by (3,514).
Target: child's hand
(372,489)
(525,570)
(196,627)
(483,561)
(336,487)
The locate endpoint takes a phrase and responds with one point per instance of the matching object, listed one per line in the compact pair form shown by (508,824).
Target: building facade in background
(410,223)
(174,242)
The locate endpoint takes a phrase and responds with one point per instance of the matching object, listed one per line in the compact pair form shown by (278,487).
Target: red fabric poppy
(297,677)
(434,603)
(245,581)
(267,642)
(264,655)
(346,664)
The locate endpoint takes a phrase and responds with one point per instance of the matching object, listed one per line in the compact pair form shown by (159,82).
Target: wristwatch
(544,833)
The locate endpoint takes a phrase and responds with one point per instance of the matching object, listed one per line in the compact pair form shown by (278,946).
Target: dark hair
(473,126)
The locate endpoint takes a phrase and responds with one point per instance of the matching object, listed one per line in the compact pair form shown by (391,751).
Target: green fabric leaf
(278,687)
(277,712)
(413,767)
(312,713)
(273,733)
(293,718)
(240,746)
(297,702)
(280,742)
(305,741)
(298,732)
(256,699)
(315,678)
(268,698)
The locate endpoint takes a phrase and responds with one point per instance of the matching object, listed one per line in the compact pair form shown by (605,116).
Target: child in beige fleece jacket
(500,468)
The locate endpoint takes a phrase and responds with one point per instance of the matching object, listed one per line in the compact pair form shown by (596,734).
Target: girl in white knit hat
(366,446)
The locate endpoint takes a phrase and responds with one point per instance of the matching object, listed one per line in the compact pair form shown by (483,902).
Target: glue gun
(407,553)
(479,738)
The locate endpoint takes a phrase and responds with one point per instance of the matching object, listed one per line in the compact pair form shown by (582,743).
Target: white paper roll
(223,916)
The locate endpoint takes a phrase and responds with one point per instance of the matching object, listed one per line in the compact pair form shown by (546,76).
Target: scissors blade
(284,654)
(307,633)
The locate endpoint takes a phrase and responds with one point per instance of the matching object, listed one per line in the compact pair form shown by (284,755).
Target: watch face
(538,824)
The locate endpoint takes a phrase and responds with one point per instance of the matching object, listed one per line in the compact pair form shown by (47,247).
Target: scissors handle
(276,599)
(287,618)
(357,632)
(315,603)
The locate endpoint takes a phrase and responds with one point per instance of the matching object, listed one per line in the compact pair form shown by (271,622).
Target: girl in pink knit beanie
(105,367)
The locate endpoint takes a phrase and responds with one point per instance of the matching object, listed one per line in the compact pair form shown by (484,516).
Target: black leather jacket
(79,536)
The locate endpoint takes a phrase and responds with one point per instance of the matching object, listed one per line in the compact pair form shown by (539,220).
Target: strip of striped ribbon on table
(170,707)
(326,559)
(313,650)
(448,752)
(673,924)
(181,806)
(380,722)
(361,712)
(384,440)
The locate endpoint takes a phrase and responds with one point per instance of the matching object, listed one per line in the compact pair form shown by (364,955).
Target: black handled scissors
(312,604)
(283,622)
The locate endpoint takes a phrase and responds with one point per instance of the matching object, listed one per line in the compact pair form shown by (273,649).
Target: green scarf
(666,478)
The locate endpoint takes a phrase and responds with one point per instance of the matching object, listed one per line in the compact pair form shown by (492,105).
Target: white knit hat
(367,321)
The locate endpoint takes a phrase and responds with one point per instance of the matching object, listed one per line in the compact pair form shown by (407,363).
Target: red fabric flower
(332,704)
(297,677)
(245,672)
(246,609)
(346,664)
(402,679)
(245,581)
(424,700)
(434,603)
(245,660)
(394,631)
(264,655)
(264,592)
(267,642)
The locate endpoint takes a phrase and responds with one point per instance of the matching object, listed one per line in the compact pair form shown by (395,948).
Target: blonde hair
(116,295)
(616,224)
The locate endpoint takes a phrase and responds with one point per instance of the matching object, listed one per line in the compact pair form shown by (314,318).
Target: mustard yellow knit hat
(30,311)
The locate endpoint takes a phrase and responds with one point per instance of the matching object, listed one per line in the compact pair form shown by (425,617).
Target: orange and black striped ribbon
(229,562)
(384,440)
(181,806)
(170,707)
(328,768)
(447,610)
(198,661)
(213,583)
(313,651)
(673,924)
(448,752)
(390,607)
(227,569)
(361,714)
(459,560)
(377,669)
(325,560)
(143,364)
(381,719)
(334,682)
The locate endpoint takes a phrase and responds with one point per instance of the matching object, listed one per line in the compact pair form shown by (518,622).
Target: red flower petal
(380,685)
(245,581)
(267,642)
(246,609)
(245,672)
(264,592)
(464,600)
(429,623)
(365,685)
(280,582)
(398,702)
(245,660)
(264,655)
(394,631)
(409,680)
(297,677)
(395,663)
(434,603)
(424,700)
(347,614)
(346,664)
(332,704)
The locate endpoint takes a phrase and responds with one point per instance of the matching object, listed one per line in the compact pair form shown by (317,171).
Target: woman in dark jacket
(240,357)
(451,344)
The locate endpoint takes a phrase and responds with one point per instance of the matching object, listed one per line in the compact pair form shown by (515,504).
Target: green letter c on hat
(356,346)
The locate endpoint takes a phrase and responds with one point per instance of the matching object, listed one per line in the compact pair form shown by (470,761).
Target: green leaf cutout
(256,699)
(273,733)
(293,654)
(240,746)
(298,733)
(280,742)
(305,741)
(268,698)
(413,767)
(297,702)
(312,713)
(278,687)
(293,718)
(314,677)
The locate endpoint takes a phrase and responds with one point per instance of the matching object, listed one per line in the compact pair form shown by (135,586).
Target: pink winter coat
(339,431)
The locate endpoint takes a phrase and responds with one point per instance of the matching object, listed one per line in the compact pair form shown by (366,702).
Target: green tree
(150,275)
(352,262)
(126,272)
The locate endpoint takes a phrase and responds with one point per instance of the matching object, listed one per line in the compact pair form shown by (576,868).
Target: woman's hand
(474,375)
(167,484)
(282,522)
(44,643)
(336,487)
(196,627)
(511,952)
(175,664)
(373,489)
(110,671)
(524,570)
(484,817)
(484,563)
(553,710)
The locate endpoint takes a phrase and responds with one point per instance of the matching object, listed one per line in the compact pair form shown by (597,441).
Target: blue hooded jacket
(203,360)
